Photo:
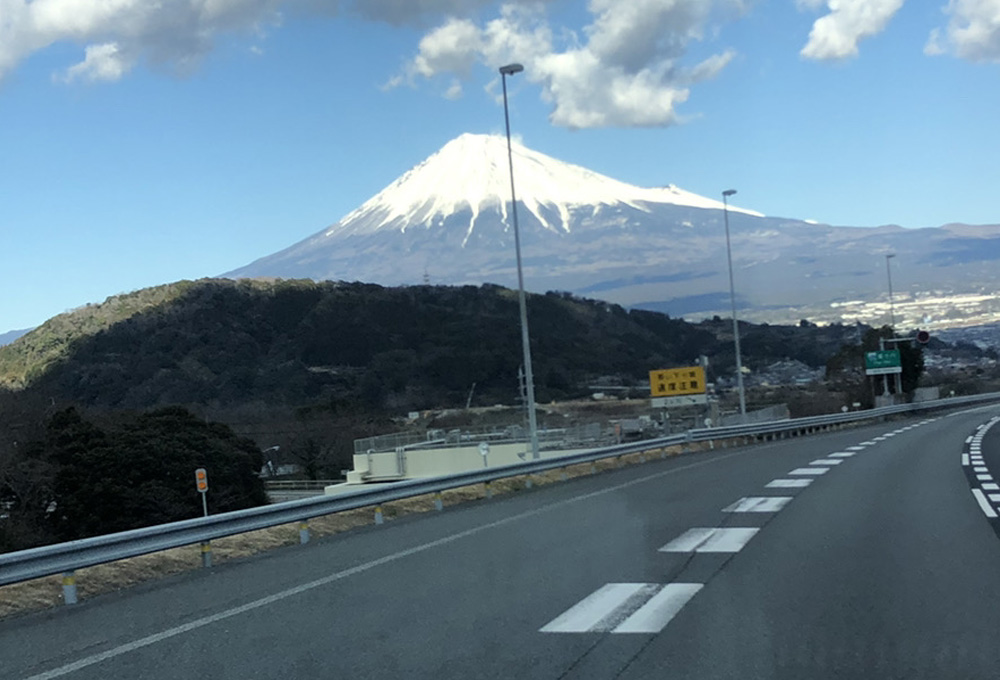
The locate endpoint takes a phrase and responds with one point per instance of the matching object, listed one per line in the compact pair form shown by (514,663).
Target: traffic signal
(201,480)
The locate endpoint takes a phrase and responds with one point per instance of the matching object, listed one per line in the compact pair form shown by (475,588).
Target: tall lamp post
(892,324)
(732,299)
(529,381)
(888,273)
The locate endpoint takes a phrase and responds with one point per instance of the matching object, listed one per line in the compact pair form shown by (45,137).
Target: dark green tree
(136,471)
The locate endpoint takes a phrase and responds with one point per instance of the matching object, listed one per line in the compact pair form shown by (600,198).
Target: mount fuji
(446,221)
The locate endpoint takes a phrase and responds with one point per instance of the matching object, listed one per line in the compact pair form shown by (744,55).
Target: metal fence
(65,558)
(573,436)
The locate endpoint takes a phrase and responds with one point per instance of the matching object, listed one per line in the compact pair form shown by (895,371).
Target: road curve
(859,553)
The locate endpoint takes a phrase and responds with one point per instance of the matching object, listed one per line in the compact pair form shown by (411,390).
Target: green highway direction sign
(882,362)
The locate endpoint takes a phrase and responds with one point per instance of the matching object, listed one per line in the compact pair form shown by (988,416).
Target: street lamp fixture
(529,381)
(732,299)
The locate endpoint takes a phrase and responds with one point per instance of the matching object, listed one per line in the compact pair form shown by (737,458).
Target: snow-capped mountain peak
(470,173)
(445,222)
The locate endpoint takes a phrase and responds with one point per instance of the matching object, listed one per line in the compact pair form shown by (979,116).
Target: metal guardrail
(64,558)
(299,484)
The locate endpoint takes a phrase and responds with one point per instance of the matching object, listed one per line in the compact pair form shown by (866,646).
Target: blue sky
(143,143)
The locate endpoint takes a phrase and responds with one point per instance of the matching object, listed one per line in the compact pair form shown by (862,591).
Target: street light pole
(529,381)
(892,311)
(732,299)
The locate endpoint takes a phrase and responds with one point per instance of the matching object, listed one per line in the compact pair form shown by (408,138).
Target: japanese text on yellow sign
(671,382)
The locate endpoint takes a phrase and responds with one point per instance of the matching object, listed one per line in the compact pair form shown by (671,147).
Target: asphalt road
(882,564)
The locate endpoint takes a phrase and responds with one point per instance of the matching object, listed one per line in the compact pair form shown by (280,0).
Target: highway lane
(883,566)
(888,569)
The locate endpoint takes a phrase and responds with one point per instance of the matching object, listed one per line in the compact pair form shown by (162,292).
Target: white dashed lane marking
(625,608)
(855,448)
(827,461)
(758,504)
(603,609)
(983,503)
(789,483)
(843,454)
(711,540)
(809,471)
(653,616)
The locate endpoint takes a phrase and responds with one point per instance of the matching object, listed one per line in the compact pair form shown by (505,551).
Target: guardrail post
(379,519)
(206,554)
(69,587)
(438,502)
(303,532)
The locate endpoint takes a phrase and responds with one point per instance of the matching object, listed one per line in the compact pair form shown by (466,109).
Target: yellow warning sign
(671,382)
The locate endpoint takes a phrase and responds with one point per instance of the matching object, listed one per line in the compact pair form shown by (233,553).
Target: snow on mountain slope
(445,221)
(471,173)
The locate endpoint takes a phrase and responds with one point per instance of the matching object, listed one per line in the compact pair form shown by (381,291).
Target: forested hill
(298,342)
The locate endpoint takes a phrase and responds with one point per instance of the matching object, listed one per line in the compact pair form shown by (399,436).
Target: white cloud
(629,67)
(627,72)
(102,62)
(837,34)
(413,11)
(973,31)
(177,33)
(451,47)
(116,34)
(454,90)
